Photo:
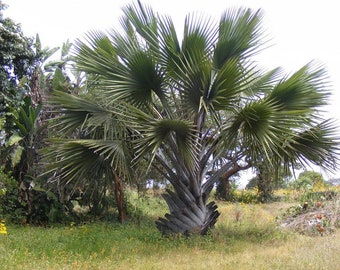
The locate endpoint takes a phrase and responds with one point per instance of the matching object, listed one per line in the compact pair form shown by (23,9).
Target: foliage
(17,55)
(24,87)
(247,196)
(44,206)
(16,68)
(309,180)
(17,60)
(10,206)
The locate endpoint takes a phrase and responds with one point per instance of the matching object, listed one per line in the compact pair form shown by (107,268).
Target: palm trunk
(188,215)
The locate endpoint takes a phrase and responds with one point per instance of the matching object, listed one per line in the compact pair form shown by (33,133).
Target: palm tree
(199,108)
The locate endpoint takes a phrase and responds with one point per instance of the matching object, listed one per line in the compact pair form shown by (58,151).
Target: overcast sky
(300,30)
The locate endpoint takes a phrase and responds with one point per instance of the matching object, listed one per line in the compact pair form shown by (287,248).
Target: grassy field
(245,237)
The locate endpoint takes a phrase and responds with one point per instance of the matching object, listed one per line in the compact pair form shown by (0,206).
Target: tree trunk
(224,187)
(188,215)
(265,187)
(119,197)
(223,190)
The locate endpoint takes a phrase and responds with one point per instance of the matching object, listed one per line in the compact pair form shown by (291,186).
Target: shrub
(247,196)
(10,207)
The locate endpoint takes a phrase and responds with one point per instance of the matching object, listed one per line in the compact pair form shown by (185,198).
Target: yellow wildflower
(3,229)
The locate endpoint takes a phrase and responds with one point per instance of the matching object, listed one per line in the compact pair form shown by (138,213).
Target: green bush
(308,181)
(247,196)
(10,207)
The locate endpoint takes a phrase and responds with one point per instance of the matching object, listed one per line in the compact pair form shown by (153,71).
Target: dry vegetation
(322,218)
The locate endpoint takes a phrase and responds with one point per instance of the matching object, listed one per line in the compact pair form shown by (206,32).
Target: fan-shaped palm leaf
(302,92)
(314,145)
(240,36)
(79,159)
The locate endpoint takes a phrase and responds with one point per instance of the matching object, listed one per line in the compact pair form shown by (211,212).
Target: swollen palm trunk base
(186,217)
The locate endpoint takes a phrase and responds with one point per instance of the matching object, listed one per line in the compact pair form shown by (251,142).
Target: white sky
(300,30)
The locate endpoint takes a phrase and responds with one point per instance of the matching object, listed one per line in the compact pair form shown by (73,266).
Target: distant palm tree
(199,108)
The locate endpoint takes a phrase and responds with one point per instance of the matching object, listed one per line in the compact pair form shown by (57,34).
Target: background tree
(270,178)
(193,104)
(23,86)
(16,61)
(226,187)
(309,179)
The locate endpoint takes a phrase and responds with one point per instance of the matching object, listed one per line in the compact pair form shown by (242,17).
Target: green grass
(245,237)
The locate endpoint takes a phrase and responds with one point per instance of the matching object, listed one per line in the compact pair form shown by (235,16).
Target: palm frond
(304,91)
(170,49)
(231,81)
(193,80)
(198,38)
(76,113)
(153,132)
(127,70)
(315,145)
(187,68)
(96,54)
(240,35)
(144,22)
(142,79)
(79,159)
(263,84)
(256,127)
